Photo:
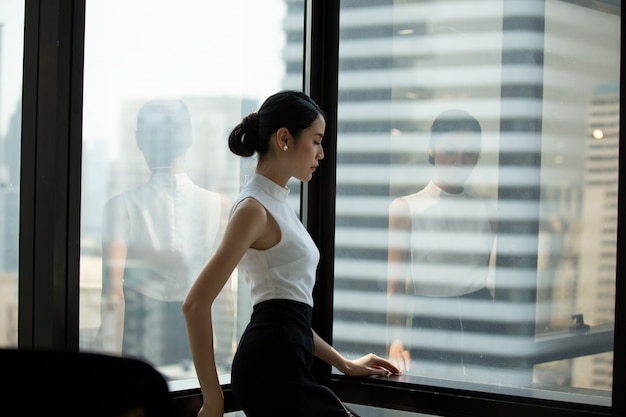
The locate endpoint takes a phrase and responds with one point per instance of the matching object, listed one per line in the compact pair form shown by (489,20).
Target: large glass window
(163,87)
(11,58)
(476,206)
(506,286)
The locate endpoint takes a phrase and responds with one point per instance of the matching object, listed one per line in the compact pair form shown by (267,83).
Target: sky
(146,48)
(11,48)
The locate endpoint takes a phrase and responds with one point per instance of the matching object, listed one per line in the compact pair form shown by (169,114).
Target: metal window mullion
(320,79)
(50,177)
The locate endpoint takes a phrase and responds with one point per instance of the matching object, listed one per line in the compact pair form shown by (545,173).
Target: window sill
(416,394)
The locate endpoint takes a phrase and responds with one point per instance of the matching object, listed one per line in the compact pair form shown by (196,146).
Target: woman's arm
(115,227)
(112,301)
(247,225)
(368,365)
(398,258)
(399,246)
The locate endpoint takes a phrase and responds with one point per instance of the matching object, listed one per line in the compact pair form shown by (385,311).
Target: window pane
(382,412)
(162,92)
(477,193)
(11,58)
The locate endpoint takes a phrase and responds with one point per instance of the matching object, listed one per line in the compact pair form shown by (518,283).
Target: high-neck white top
(451,242)
(286,270)
(171,226)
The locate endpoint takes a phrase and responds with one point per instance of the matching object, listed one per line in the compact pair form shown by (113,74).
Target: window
(540,77)
(476,193)
(11,52)
(161,94)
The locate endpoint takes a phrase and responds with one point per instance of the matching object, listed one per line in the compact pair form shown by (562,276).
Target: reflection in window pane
(474,247)
(11,57)
(160,98)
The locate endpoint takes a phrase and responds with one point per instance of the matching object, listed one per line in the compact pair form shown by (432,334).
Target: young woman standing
(265,240)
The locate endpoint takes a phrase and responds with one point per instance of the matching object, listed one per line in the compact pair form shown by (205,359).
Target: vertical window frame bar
(50,174)
(321,73)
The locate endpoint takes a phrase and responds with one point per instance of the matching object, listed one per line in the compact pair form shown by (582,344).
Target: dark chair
(43,382)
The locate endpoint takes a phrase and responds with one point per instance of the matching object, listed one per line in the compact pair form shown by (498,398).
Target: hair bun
(250,123)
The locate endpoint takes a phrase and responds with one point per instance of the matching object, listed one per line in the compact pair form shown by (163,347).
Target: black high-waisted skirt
(271,372)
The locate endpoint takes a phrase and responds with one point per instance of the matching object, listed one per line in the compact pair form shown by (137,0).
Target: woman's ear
(282,138)
(431,156)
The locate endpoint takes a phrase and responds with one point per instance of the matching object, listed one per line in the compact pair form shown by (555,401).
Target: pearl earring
(285,147)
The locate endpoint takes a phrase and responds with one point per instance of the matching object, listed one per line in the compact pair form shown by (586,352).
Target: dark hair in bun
(290,109)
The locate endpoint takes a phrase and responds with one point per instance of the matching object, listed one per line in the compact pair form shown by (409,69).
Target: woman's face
(455,155)
(308,150)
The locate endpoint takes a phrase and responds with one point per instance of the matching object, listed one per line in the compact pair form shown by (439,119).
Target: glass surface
(362,410)
(11,58)
(487,268)
(162,92)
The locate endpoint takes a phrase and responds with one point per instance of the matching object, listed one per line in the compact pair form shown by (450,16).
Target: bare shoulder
(225,200)
(225,204)
(399,214)
(249,211)
(399,206)
(249,206)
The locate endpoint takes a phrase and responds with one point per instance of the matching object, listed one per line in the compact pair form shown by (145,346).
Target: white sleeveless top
(286,270)
(171,226)
(451,242)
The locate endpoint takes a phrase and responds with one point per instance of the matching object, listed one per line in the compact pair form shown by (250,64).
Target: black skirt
(271,372)
(154,330)
(460,357)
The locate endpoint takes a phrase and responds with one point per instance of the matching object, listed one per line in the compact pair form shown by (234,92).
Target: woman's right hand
(399,356)
(212,409)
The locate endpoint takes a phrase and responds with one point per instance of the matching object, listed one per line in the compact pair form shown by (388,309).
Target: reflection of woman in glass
(271,373)
(156,239)
(440,245)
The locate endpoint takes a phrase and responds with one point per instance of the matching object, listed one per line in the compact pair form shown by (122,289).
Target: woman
(156,238)
(264,238)
(440,244)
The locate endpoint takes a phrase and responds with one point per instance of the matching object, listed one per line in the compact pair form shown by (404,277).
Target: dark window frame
(50,216)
